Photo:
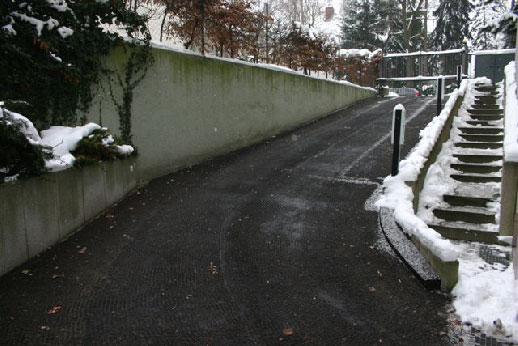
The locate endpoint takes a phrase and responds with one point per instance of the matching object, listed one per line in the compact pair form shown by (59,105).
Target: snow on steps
(469,213)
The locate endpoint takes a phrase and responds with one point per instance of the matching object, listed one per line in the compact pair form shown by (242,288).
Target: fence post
(439,95)
(397,136)
(459,75)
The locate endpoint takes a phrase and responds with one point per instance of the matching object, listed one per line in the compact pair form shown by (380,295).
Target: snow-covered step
(460,201)
(486,93)
(475,158)
(483,123)
(476,168)
(479,145)
(484,130)
(489,191)
(477,178)
(475,215)
(463,231)
(482,137)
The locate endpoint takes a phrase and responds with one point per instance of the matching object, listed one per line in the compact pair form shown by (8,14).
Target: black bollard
(397,136)
(439,95)
(459,75)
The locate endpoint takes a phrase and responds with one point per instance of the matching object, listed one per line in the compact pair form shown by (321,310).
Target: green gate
(492,64)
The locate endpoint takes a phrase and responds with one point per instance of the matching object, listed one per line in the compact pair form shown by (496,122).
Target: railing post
(459,75)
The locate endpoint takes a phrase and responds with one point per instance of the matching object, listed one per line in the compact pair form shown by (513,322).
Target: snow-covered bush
(21,154)
(100,145)
(26,153)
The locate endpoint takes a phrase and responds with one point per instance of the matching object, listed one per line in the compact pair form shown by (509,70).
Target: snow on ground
(487,294)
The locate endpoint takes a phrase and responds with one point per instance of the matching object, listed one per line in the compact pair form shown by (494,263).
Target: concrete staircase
(470,213)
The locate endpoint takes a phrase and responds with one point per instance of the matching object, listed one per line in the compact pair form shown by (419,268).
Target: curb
(407,251)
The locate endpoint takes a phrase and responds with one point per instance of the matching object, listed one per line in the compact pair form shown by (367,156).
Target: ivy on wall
(134,72)
(51,52)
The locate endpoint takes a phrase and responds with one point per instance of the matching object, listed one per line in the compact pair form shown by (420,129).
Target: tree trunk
(202,9)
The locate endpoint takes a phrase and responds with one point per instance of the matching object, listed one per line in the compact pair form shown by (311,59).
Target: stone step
(482,123)
(474,178)
(474,158)
(479,145)
(459,201)
(486,117)
(465,214)
(476,168)
(483,138)
(485,106)
(486,88)
(485,99)
(484,130)
(489,191)
(455,231)
(486,93)
(485,103)
(485,111)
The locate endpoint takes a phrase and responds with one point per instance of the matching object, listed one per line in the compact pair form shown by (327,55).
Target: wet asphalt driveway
(272,245)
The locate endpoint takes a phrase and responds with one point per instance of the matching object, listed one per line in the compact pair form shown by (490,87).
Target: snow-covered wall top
(494,51)
(158,45)
(511,112)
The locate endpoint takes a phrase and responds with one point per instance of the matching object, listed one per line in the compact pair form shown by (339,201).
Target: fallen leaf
(288,332)
(372,289)
(213,269)
(54,310)
(128,237)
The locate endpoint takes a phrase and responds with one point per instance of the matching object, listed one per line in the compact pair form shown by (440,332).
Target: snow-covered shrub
(100,145)
(20,154)
(25,152)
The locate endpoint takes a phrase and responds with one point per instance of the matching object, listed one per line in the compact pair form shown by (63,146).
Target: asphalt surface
(271,245)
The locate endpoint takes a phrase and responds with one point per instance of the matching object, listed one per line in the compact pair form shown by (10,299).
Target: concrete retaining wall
(189,108)
(39,212)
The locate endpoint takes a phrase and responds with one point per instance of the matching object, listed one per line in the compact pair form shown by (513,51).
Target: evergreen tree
(359,24)
(452,24)
(499,29)
(485,12)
